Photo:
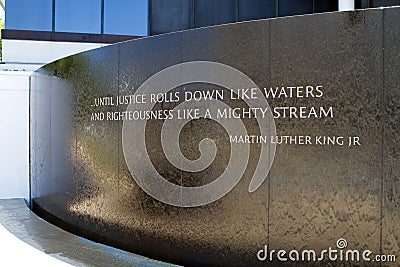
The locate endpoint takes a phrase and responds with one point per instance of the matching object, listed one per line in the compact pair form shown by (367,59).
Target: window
(170,16)
(325,6)
(256,9)
(83,16)
(211,12)
(29,15)
(125,17)
(292,7)
(378,3)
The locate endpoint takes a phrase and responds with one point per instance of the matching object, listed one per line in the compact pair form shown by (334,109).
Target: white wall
(14,106)
(42,52)
(14,134)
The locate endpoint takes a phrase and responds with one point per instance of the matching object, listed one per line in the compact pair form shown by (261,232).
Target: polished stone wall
(313,195)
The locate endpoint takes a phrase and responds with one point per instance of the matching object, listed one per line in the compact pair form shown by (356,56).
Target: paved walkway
(47,240)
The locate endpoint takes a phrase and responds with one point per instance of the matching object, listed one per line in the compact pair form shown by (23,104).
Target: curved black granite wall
(314,194)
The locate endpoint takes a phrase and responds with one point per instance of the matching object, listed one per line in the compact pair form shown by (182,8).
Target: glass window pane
(291,7)
(80,16)
(29,15)
(126,17)
(325,6)
(256,9)
(361,4)
(211,12)
(378,3)
(170,15)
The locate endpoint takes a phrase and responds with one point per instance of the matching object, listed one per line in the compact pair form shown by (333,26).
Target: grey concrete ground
(75,250)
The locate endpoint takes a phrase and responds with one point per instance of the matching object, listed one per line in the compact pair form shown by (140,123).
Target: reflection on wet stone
(128,161)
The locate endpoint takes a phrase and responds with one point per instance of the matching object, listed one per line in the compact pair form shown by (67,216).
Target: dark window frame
(192,13)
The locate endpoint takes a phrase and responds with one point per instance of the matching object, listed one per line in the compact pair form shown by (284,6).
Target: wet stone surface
(77,251)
